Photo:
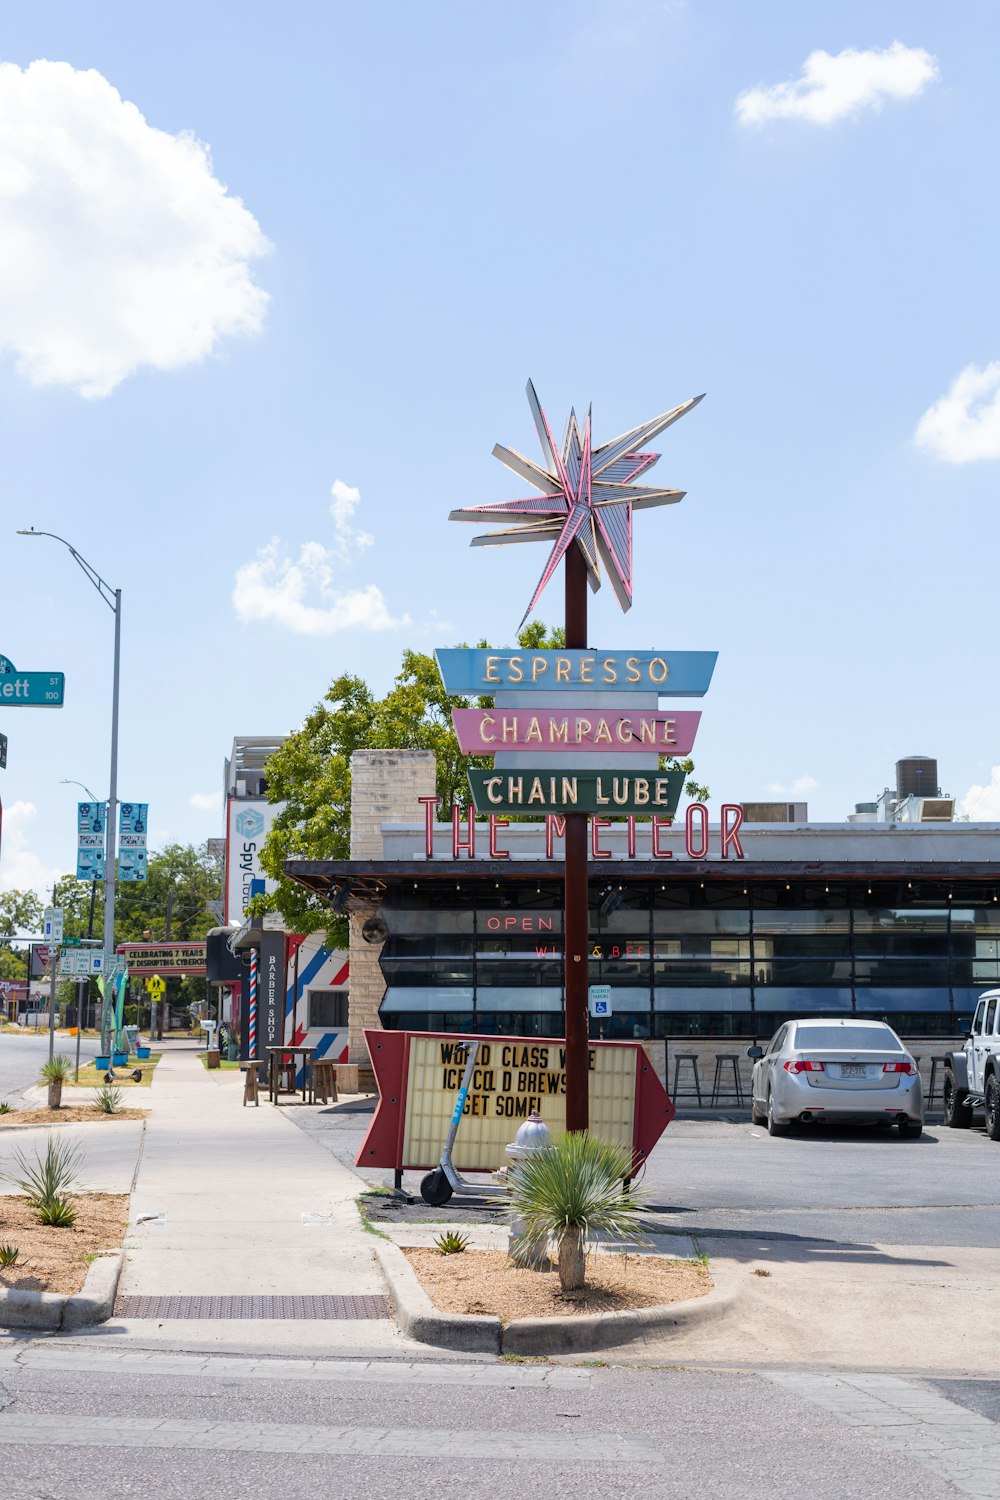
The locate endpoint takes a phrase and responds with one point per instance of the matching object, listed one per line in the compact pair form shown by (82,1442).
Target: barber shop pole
(252,1043)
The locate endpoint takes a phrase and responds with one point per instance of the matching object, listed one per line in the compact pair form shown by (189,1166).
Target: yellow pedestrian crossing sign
(155,985)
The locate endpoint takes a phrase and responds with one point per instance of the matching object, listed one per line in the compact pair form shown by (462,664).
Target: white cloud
(800,787)
(119,248)
(275,587)
(981,804)
(206,801)
(964,425)
(834,86)
(21,869)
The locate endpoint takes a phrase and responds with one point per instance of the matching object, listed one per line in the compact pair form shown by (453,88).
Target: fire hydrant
(522,1248)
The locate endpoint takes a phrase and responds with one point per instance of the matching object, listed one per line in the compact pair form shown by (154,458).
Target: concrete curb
(94,1303)
(419,1319)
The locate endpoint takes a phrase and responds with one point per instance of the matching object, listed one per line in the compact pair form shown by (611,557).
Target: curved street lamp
(113,599)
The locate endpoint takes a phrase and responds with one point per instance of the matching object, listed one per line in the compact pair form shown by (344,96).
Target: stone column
(385,785)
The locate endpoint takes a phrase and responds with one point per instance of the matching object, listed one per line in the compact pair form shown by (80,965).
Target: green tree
(20,912)
(311,772)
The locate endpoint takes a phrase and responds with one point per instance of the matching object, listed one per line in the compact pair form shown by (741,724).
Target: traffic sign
(155,985)
(30,689)
(71,942)
(600,1001)
(80,963)
(52,929)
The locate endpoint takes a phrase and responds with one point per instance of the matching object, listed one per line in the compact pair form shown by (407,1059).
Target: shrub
(572,1191)
(48,1177)
(58,1213)
(4,1108)
(108,1099)
(8,1256)
(58,1069)
(451,1242)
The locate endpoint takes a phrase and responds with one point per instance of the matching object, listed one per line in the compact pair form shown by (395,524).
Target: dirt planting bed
(484,1282)
(57,1260)
(68,1114)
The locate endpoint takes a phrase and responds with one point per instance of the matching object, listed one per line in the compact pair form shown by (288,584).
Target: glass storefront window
(802,1000)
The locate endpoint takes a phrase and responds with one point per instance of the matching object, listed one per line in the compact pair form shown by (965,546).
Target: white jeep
(972,1076)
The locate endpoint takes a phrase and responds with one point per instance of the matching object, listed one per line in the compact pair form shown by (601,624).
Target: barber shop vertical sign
(271,988)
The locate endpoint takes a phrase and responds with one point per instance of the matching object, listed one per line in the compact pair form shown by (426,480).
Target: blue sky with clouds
(271,285)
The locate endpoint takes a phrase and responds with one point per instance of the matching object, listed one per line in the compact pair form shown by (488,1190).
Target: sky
(272,283)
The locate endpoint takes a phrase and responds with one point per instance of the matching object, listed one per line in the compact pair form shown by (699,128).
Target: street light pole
(113,599)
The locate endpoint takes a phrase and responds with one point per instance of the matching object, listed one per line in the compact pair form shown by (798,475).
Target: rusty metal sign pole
(576,934)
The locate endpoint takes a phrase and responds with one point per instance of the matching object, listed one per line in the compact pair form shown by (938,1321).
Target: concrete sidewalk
(234,1201)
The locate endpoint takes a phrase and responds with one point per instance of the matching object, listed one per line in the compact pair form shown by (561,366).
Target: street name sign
(30,689)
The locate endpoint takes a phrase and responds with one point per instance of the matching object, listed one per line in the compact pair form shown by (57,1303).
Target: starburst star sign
(587,497)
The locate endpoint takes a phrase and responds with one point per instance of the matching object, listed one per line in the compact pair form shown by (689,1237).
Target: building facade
(701,943)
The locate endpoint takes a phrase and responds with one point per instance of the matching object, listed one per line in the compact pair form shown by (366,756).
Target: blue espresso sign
(30,689)
(132,840)
(90,827)
(671,674)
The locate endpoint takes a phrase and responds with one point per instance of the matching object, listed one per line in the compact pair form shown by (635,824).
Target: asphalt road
(22,1056)
(729,1177)
(76,1419)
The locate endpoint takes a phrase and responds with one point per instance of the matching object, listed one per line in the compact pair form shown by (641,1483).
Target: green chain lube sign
(29,689)
(646,793)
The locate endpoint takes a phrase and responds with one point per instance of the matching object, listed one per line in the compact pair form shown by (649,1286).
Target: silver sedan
(822,1070)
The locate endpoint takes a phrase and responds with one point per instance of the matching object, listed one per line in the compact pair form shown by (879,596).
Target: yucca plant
(4,1108)
(57,1069)
(8,1256)
(47,1177)
(451,1242)
(108,1099)
(570,1192)
(57,1213)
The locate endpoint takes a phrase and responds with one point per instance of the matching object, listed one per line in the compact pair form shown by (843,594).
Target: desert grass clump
(45,1180)
(451,1242)
(108,1099)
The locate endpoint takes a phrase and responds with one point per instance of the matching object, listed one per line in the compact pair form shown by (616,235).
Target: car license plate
(853,1070)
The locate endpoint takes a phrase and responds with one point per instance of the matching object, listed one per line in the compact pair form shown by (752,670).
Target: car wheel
(992,1102)
(435,1188)
(957,1111)
(909,1130)
(775,1127)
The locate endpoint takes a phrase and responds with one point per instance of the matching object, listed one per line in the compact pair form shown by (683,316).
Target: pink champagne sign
(486,731)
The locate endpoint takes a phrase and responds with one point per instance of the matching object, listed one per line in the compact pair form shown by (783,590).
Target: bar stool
(938,1061)
(691,1058)
(251,1083)
(325,1082)
(719,1090)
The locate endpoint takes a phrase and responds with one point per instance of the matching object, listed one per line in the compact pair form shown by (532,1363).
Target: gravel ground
(485,1282)
(57,1260)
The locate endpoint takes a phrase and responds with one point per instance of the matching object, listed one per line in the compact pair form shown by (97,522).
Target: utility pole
(54,956)
(576,903)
